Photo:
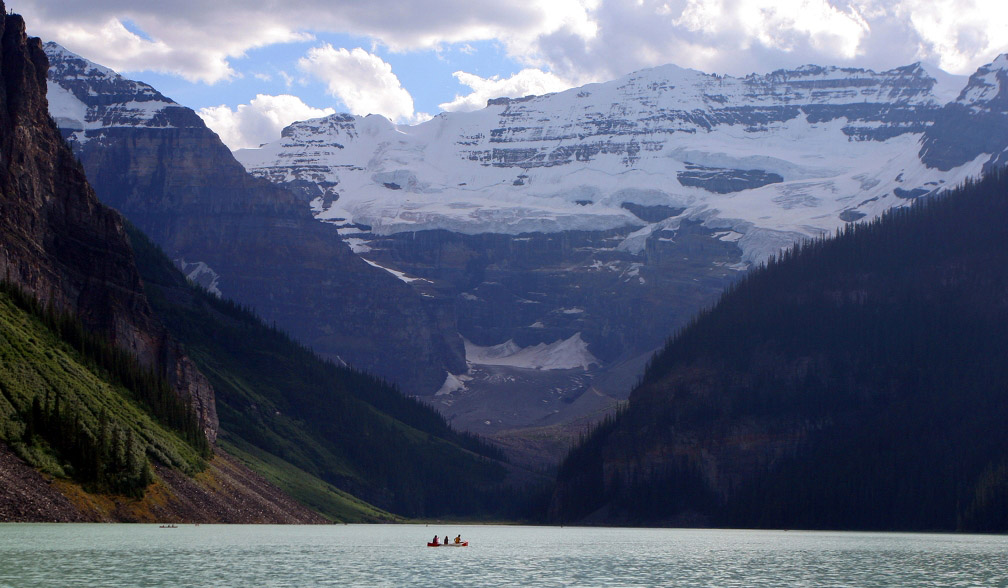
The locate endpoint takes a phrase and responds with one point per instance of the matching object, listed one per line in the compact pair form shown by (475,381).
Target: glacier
(819,145)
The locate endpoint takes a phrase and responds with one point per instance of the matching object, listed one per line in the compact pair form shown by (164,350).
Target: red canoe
(463,544)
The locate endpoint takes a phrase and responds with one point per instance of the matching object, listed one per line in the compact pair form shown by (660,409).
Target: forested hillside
(857,382)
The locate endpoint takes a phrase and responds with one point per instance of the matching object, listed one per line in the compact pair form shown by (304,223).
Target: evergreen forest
(853,382)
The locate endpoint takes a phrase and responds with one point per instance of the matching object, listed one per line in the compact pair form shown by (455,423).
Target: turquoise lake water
(396,555)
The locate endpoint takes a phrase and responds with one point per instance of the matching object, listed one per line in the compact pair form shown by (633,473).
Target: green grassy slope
(61,414)
(331,502)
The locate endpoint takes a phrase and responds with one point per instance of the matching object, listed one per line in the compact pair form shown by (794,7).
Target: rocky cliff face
(257,243)
(59,242)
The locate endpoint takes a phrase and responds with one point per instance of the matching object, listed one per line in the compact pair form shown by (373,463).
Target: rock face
(59,242)
(973,125)
(158,164)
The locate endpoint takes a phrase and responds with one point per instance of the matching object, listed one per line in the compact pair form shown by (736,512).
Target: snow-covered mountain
(73,89)
(772,157)
(634,201)
(973,125)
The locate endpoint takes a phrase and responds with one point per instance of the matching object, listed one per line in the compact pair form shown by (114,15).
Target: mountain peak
(988,85)
(60,54)
(85,96)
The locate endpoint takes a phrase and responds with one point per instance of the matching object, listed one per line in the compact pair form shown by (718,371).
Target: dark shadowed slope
(856,383)
(298,418)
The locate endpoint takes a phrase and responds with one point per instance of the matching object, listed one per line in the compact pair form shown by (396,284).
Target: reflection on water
(396,555)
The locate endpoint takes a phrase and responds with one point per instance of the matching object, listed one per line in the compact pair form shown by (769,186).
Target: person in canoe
(446,539)
(458,538)
(435,541)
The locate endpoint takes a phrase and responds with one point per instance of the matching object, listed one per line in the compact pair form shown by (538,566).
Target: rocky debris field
(226,492)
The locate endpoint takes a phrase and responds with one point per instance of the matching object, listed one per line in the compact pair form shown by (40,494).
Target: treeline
(116,366)
(111,459)
(339,424)
(866,372)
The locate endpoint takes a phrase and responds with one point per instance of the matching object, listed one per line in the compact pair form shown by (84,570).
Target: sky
(250,67)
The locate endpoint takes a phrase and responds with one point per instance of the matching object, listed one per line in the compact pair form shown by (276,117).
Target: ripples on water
(396,555)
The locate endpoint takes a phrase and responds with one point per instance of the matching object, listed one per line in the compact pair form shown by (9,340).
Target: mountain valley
(609,213)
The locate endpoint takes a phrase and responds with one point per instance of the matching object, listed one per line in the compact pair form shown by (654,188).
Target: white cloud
(198,40)
(197,50)
(578,40)
(362,81)
(523,83)
(955,33)
(418,117)
(743,36)
(259,121)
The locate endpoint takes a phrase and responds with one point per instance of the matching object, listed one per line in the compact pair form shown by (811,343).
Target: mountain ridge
(103,416)
(157,163)
(611,212)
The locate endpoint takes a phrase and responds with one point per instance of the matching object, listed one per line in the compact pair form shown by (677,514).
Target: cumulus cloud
(259,121)
(954,33)
(726,36)
(777,24)
(523,83)
(362,81)
(577,40)
(196,49)
(743,36)
(197,39)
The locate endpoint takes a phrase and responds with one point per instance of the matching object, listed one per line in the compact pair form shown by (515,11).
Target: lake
(396,555)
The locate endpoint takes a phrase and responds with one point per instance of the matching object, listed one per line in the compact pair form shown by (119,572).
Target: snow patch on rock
(401,275)
(562,354)
(201,274)
(453,383)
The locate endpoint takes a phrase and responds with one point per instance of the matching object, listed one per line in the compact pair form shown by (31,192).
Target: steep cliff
(158,164)
(58,242)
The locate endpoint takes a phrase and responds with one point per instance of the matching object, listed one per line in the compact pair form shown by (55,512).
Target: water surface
(396,555)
